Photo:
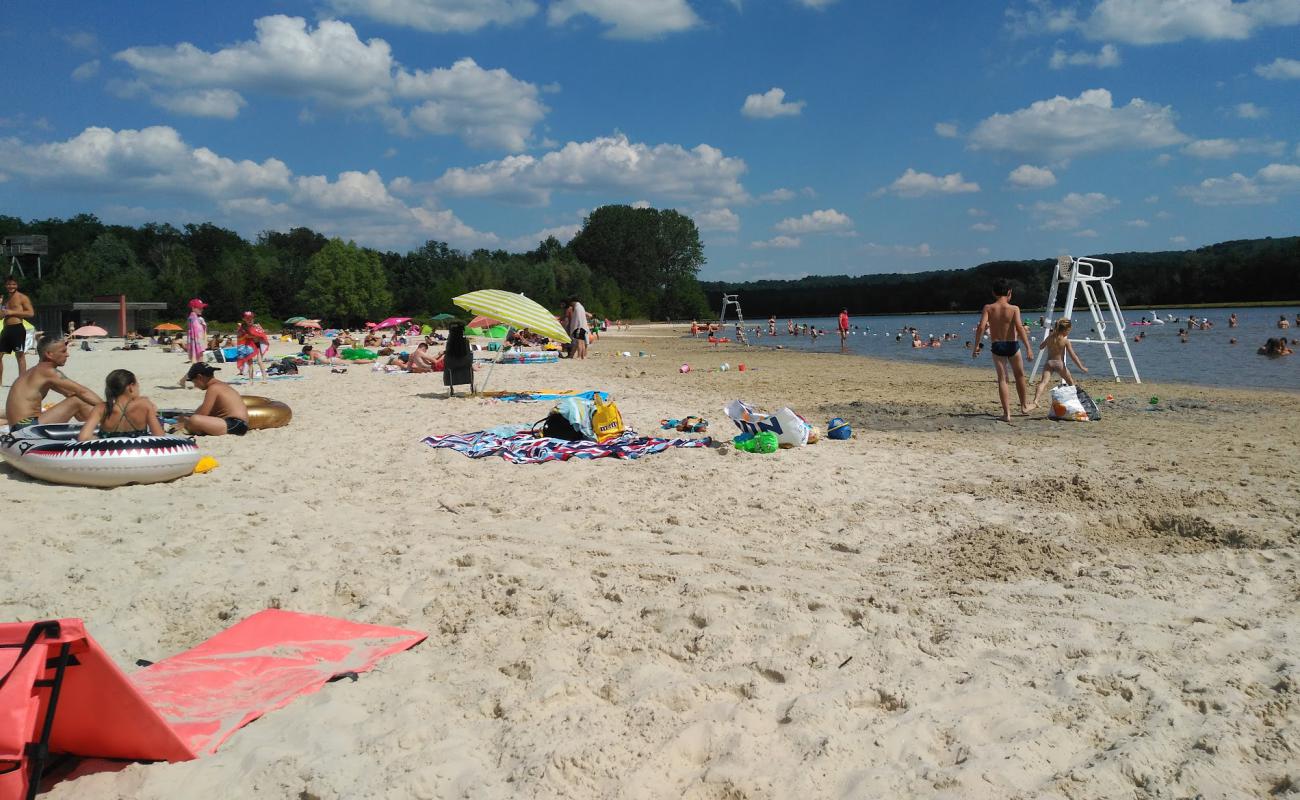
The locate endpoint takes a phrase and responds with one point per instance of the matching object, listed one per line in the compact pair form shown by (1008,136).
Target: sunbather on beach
(124,412)
(222,410)
(422,361)
(26,395)
(1008,333)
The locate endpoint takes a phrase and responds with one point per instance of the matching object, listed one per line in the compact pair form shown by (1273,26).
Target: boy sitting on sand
(1002,321)
(222,411)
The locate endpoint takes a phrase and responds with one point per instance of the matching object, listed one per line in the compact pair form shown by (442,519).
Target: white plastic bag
(789,427)
(1065,405)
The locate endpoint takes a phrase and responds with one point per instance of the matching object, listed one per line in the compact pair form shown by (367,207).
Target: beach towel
(527,357)
(538,397)
(523,448)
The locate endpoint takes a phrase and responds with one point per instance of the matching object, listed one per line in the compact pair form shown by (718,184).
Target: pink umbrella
(90,330)
(482,322)
(308,323)
(392,322)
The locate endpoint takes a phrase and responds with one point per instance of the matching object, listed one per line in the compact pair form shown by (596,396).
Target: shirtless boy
(222,411)
(421,361)
(13,336)
(23,407)
(1007,332)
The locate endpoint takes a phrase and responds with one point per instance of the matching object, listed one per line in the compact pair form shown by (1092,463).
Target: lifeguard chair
(1091,277)
(727,301)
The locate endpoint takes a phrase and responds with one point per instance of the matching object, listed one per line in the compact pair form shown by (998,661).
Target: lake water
(1207,357)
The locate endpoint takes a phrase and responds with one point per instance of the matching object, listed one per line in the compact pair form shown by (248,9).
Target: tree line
(624,263)
(1242,271)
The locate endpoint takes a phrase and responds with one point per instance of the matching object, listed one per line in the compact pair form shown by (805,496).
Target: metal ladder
(1092,276)
(732,300)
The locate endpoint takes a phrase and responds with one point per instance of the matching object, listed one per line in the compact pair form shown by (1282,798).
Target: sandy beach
(942,606)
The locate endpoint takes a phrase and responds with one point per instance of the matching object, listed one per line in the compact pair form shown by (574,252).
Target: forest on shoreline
(1229,273)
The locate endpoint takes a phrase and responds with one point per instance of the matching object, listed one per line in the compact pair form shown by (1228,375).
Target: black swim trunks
(1005,349)
(579,335)
(236,427)
(13,339)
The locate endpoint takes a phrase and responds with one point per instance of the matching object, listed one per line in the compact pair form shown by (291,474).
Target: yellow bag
(606,420)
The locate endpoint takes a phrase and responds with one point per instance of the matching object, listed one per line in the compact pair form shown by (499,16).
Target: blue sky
(803,136)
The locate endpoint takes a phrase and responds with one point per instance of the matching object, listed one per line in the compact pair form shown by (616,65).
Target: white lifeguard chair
(732,300)
(1091,276)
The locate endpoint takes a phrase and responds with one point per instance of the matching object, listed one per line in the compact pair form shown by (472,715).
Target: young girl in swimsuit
(1058,348)
(125,411)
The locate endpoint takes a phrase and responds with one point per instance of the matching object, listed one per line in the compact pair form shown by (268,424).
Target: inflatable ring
(263,412)
(52,453)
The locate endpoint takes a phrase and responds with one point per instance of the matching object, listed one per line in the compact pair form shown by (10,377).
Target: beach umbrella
(167,326)
(443,317)
(512,309)
(293,320)
(307,323)
(482,322)
(90,330)
(392,322)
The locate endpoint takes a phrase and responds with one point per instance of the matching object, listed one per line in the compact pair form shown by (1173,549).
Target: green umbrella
(443,317)
(292,320)
(512,309)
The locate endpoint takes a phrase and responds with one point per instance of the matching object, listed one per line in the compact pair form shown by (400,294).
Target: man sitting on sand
(222,411)
(1002,321)
(421,361)
(23,407)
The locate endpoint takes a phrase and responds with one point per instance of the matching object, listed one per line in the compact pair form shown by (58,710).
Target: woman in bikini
(1058,349)
(125,411)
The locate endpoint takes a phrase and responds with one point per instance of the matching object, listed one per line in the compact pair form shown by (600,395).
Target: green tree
(345,284)
(105,267)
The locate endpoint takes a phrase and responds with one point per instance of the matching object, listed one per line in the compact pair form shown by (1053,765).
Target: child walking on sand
(1058,347)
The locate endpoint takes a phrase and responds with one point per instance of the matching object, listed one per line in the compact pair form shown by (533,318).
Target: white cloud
(1151,198)
(717,219)
(1027,176)
(770,104)
(1280,69)
(984,227)
(1227,148)
(628,19)
(1086,233)
(1108,56)
(776,196)
(820,221)
(438,16)
(777,242)
(1251,111)
(1266,186)
(947,130)
(610,164)
(329,65)
(156,165)
(916,184)
(529,241)
(921,250)
(218,103)
(484,107)
(1145,22)
(1069,212)
(1178,239)
(1138,223)
(1063,127)
(816,4)
(86,71)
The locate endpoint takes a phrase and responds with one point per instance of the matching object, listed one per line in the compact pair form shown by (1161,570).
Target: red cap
(248,315)
(197,303)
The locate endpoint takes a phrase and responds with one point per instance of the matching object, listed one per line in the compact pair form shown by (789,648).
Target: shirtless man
(421,361)
(13,336)
(23,407)
(222,411)
(1002,321)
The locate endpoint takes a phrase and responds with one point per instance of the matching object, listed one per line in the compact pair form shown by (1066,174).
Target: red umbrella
(482,322)
(307,323)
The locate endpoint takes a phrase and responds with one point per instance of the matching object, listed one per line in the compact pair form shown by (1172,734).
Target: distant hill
(1243,271)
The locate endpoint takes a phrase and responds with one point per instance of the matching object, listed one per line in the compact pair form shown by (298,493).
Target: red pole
(121,315)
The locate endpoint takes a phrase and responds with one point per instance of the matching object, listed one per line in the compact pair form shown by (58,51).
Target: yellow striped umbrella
(512,309)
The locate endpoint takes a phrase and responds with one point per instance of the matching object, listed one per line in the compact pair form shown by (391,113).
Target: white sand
(944,606)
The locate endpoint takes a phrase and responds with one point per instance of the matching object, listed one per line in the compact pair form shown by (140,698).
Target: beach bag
(557,426)
(790,428)
(1086,401)
(1066,405)
(606,419)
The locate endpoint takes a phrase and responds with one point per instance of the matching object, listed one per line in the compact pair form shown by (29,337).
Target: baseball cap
(197,303)
(206,370)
